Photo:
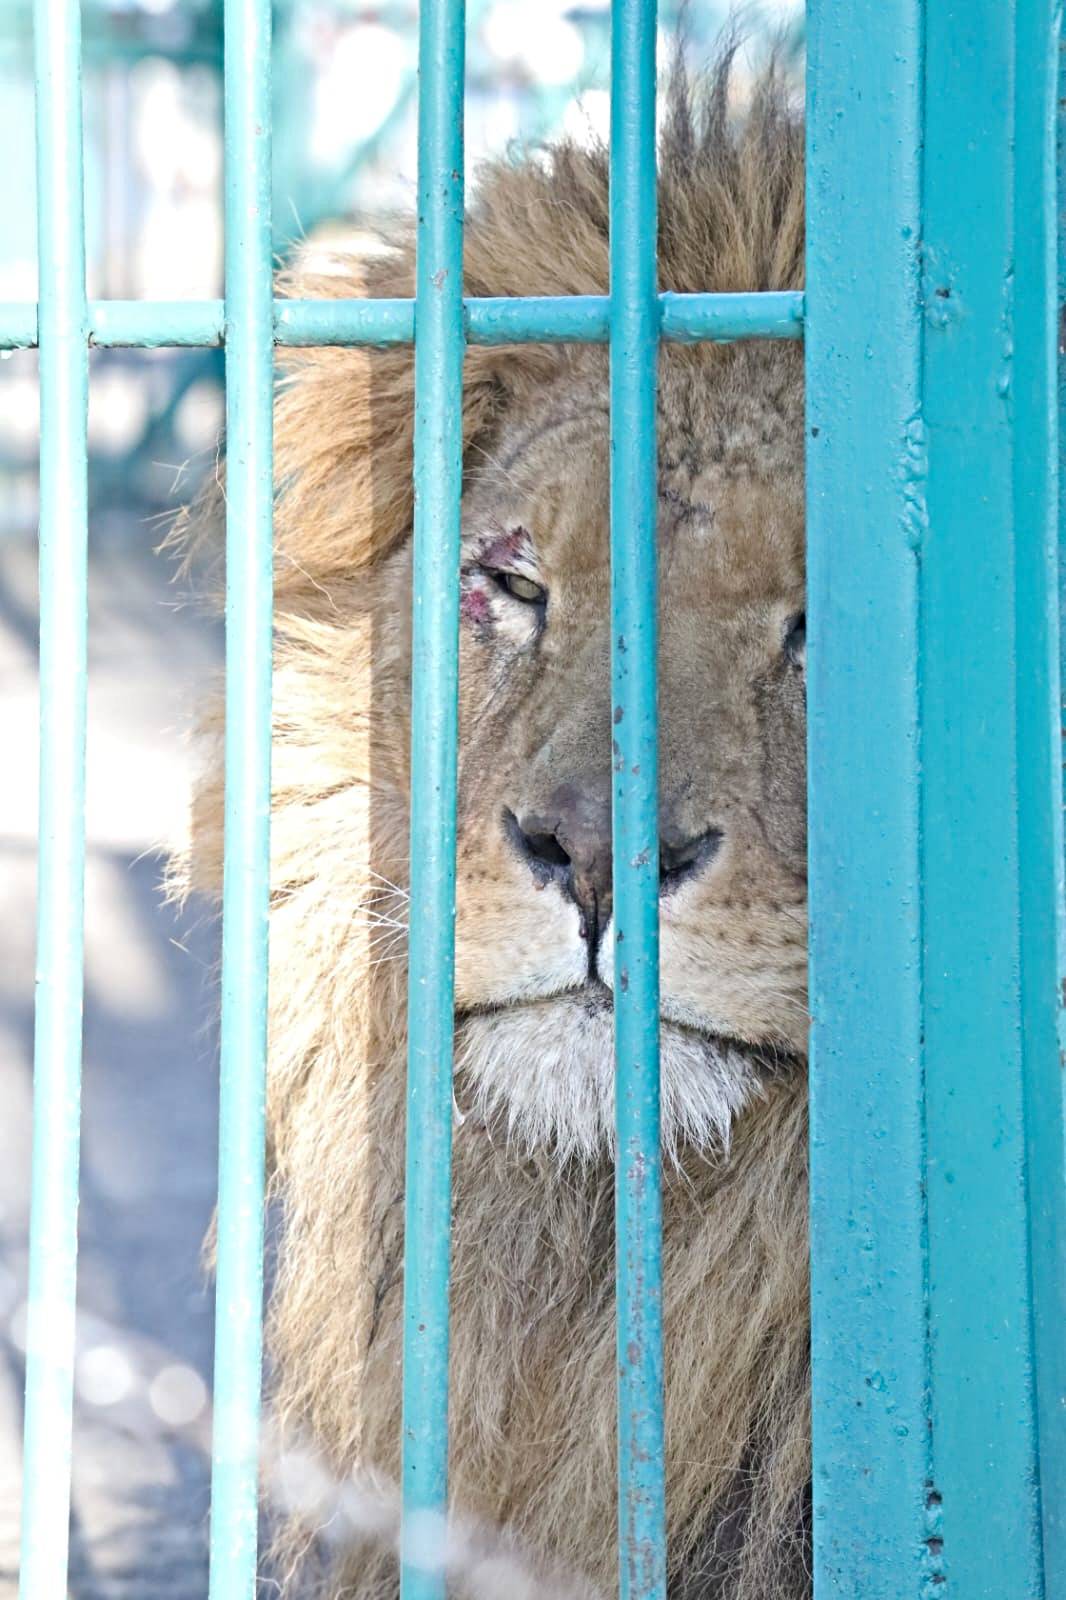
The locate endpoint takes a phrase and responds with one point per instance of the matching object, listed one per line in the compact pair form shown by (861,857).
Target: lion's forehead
(730,484)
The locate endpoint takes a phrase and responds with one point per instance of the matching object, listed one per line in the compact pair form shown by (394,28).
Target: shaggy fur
(533,1362)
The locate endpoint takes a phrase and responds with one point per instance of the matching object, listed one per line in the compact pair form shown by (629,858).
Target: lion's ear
(344,425)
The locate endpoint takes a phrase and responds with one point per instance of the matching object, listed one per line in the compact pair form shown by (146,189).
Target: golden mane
(533,1359)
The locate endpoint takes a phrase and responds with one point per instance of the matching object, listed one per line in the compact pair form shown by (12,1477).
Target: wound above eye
(502,549)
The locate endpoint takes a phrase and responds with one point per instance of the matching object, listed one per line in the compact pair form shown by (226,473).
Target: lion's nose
(569,842)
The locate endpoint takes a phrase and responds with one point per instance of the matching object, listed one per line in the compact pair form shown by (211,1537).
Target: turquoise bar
(142,324)
(1040,842)
(723,318)
(634,633)
(991,801)
(576,319)
(342,322)
(64,376)
(438,453)
(246,875)
(1060,152)
(875,1512)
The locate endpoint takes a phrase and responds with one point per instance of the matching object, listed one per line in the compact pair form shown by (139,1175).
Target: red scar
(474,605)
(503,548)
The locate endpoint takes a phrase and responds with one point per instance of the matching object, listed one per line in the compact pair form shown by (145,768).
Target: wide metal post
(991,804)
(936,852)
(866,522)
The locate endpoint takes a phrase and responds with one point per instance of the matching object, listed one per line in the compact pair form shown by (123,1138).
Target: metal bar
(634,635)
(18,325)
(1061,302)
(723,318)
(576,319)
(342,322)
(989,787)
(144,325)
(438,450)
(1042,901)
(865,530)
(64,376)
(246,870)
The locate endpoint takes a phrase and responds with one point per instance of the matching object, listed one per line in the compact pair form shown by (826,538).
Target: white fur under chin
(546,1072)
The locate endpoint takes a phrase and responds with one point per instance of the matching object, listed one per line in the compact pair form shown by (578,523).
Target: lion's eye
(796,639)
(533,594)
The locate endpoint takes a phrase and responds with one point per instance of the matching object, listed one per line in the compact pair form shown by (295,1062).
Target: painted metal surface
(577,319)
(64,376)
(1042,904)
(991,840)
(1060,153)
(874,1509)
(693,318)
(246,871)
(438,453)
(634,636)
(936,894)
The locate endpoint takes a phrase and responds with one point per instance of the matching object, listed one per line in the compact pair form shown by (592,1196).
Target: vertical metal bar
(64,375)
(865,529)
(439,343)
(1061,330)
(634,633)
(249,596)
(1042,907)
(1061,376)
(990,801)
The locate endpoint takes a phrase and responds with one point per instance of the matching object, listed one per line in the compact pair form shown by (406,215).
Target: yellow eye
(522,588)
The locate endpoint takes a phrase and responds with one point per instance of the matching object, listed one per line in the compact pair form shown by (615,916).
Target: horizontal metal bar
(142,325)
(344,322)
(723,318)
(567,319)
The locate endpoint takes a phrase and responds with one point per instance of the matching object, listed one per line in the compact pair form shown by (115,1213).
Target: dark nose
(568,842)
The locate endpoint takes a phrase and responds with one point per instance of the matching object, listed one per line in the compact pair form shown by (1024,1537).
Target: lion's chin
(542,1072)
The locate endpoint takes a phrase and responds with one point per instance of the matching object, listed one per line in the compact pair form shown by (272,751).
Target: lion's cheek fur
(510,943)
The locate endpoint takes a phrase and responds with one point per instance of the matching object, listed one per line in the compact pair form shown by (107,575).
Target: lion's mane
(533,1341)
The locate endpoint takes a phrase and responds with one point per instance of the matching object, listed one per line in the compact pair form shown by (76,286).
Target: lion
(533,1340)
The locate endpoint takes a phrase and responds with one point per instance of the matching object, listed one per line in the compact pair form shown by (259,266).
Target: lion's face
(535,932)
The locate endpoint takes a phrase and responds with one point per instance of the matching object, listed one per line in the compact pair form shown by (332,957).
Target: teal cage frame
(937,1200)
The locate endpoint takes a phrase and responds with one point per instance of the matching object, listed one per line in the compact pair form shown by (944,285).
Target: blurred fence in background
(344,148)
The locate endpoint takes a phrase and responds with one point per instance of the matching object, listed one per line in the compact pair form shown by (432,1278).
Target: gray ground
(148,1158)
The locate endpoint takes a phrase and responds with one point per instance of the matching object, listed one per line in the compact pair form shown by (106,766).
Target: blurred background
(344,156)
